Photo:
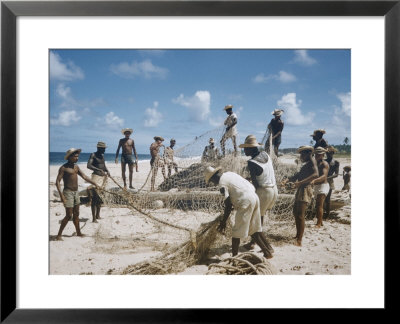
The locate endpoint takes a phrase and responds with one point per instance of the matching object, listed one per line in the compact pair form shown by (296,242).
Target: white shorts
(321,189)
(267,197)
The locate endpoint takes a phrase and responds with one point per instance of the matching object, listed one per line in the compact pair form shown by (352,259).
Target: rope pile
(243,264)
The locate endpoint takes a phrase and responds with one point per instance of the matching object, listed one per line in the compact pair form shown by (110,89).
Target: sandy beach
(124,237)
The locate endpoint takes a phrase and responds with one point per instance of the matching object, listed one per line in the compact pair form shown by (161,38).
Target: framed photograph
(136,110)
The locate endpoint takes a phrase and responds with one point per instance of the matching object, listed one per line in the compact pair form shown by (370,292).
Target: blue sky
(182,93)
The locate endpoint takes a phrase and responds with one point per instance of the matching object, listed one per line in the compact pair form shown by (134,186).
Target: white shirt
(237,188)
(267,178)
(228,122)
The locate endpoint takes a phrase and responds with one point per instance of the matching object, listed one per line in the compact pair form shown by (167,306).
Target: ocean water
(57,158)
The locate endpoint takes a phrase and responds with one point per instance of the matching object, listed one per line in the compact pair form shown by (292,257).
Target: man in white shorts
(321,185)
(240,195)
(262,176)
(230,130)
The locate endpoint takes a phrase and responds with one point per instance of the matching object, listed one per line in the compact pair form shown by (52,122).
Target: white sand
(124,237)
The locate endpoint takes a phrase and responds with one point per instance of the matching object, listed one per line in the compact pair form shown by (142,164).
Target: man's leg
(123,168)
(222,142)
(130,166)
(319,206)
(75,220)
(235,246)
(327,204)
(93,207)
(234,143)
(64,222)
(153,176)
(98,207)
(301,209)
(260,242)
(175,167)
(161,165)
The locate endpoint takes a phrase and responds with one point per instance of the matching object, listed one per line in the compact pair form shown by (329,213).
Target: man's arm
(336,171)
(279,132)
(324,175)
(134,150)
(310,178)
(255,170)
(227,212)
(116,154)
(87,179)
(58,179)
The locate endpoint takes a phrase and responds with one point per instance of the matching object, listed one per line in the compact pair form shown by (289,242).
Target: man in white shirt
(240,195)
(230,131)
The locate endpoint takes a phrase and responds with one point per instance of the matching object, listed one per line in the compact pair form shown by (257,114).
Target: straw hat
(228,107)
(123,131)
(156,138)
(277,112)
(322,131)
(71,151)
(211,140)
(101,144)
(305,148)
(320,150)
(331,149)
(209,172)
(250,141)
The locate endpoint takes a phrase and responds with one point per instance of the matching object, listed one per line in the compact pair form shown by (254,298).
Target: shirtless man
(230,130)
(156,161)
(275,127)
(332,173)
(210,152)
(128,145)
(69,196)
(169,157)
(346,177)
(97,164)
(304,193)
(317,137)
(321,185)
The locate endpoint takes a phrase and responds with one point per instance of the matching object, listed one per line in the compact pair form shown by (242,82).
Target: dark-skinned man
(230,129)
(275,128)
(332,173)
(128,147)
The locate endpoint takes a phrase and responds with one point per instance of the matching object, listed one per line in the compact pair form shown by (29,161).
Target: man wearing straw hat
(321,185)
(128,146)
(332,173)
(304,193)
(70,196)
(240,195)
(97,164)
(210,152)
(156,161)
(275,128)
(262,176)
(169,157)
(230,130)
(317,137)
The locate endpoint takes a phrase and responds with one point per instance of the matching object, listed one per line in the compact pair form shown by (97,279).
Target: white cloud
(293,114)
(64,71)
(302,57)
(66,118)
(198,104)
(145,69)
(70,103)
(345,99)
(153,116)
(113,121)
(282,76)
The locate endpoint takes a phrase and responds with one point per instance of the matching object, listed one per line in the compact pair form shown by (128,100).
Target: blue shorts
(125,158)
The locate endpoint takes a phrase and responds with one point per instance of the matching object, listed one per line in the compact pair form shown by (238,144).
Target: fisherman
(70,196)
(97,164)
(128,146)
(262,177)
(332,173)
(240,195)
(346,177)
(169,157)
(156,160)
(275,128)
(210,152)
(230,130)
(317,137)
(321,185)
(304,193)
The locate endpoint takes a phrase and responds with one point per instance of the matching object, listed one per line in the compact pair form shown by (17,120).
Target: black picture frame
(10,10)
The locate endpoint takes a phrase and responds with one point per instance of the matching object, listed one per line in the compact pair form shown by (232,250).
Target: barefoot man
(156,161)
(169,157)
(275,128)
(239,194)
(128,146)
(69,196)
(230,130)
(332,173)
(304,193)
(97,164)
(262,176)
(321,185)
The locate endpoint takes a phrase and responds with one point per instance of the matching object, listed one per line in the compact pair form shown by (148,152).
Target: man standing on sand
(97,164)
(128,146)
(262,177)
(230,130)
(70,196)
(317,137)
(332,173)
(346,177)
(239,194)
(210,152)
(304,193)
(321,186)
(169,157)
(275,128)
(156,161)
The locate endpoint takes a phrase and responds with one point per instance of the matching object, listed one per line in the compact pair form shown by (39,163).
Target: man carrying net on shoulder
(156,160)
(230,130)
(275,128)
